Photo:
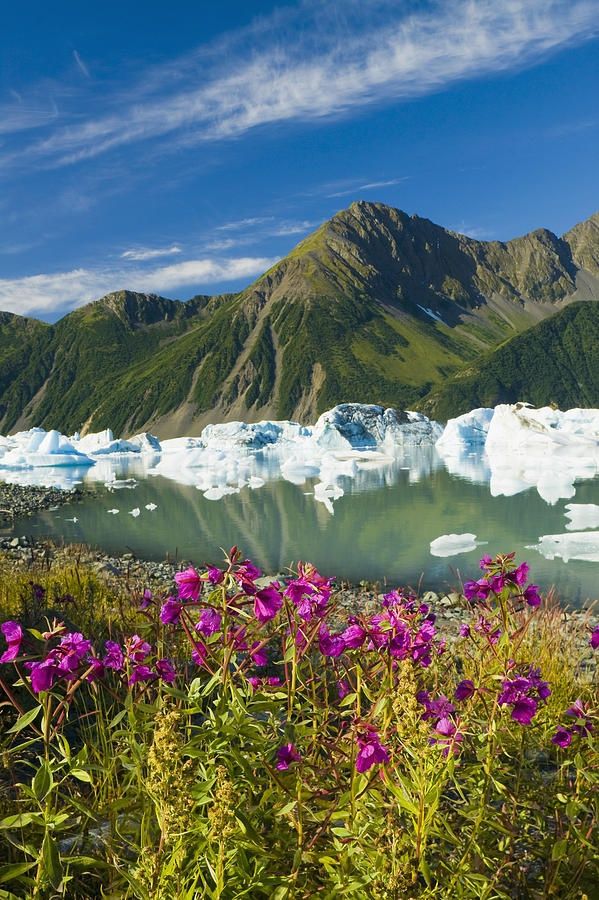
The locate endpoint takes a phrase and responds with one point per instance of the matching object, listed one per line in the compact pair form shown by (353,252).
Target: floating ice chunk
(469,430)
(454,544)
(581,545)
(216,493)
(74,519)
(363,425)
(151,506)
(113,512)
(116,484)
(581,516)
(256,482)
(135,512)
(250,436)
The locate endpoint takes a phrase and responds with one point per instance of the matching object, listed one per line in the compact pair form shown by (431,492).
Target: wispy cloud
(142,254)
(472,231)
(242,224)
(60,291)
(287,229)
(377,52)
(369,186)
(80,64)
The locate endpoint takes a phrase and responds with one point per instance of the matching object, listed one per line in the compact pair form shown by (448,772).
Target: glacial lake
(381,529)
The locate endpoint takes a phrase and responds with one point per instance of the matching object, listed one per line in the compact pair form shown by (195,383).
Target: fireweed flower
(246,574)
(165,670)
(258,654)
(532,596)
(583,724)
(267,602)
(199,653)
(113,658)
(464,631)
(562,737)
(594,641)
(370,750)
(189,584)
(354,636)
(13,634)
(43,674)
(146,599)
(214,575)
(464,690)
(309,592)
(170,612)
(446,734)
(343,688)
(523,694)
(330,644)
(142,673)
(210,621)
(71,651)
(438,708)
(286,755)
(137,649)
(477,590)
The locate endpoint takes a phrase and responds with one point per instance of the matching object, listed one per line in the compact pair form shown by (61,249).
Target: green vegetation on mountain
(374,306)
(556,361)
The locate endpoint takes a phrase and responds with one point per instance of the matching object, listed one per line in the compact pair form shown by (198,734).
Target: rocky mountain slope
(374,306)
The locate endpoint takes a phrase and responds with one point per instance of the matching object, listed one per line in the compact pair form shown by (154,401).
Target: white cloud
(369,186)
(48,293)
(290,228)
(80,64)
(141,254)
(241,224)
(378,53)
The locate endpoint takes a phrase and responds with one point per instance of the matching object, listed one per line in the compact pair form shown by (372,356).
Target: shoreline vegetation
(215,733)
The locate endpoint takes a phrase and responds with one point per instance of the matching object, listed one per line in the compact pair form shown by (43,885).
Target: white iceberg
(469,430)
(580,545)
(363,425)
(581,516)
(454,544)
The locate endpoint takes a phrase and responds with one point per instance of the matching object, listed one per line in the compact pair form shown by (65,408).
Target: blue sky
(182,148)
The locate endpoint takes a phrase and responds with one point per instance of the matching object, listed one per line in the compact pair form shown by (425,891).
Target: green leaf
(42,782)
(8,873)
(18,821)
(559,849)
(51,859)
(24,720)
(81,775)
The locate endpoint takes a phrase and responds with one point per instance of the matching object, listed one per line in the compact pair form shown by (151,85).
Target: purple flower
(286,755)
(113,658)
(532,596)
(309,592)
(439,708)
(485,562)
(371,752)
(259,654)
(146,599)
(343,688)
(142,673)
(520,575)
(273,681)
(215,575)
(562,737)
(594,641)
(254,682)
(267,603)
(13,634)
(199,654)
(71,651)
(166,670)
(43,674)
(577,710)
(464,690)
(465,631)
(353,636)
(497,582)
(246,574)
(447,735)
(330,644)
(97,669)
(137,648)
(171,611)
(477,590)
(523,710)
(189,584)
(210,621)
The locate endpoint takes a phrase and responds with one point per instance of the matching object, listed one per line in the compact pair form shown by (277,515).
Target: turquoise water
(381,528)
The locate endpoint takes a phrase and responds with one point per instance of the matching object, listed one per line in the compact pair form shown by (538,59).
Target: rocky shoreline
(18,500)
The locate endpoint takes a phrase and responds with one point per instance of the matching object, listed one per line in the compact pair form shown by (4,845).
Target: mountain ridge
(374,306)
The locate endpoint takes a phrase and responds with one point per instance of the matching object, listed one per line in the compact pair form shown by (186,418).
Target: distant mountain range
(374,306)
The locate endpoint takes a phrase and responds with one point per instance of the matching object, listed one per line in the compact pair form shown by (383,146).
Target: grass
(294,758)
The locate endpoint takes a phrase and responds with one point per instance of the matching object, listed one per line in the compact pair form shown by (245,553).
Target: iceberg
(467,431)
(454,544)
(581,545)
(363,425)
(581,516)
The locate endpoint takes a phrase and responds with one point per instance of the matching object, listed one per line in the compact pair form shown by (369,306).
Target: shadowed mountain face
(374,306)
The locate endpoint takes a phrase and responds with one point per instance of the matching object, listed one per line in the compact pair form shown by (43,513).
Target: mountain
(555,362)
(374,306)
